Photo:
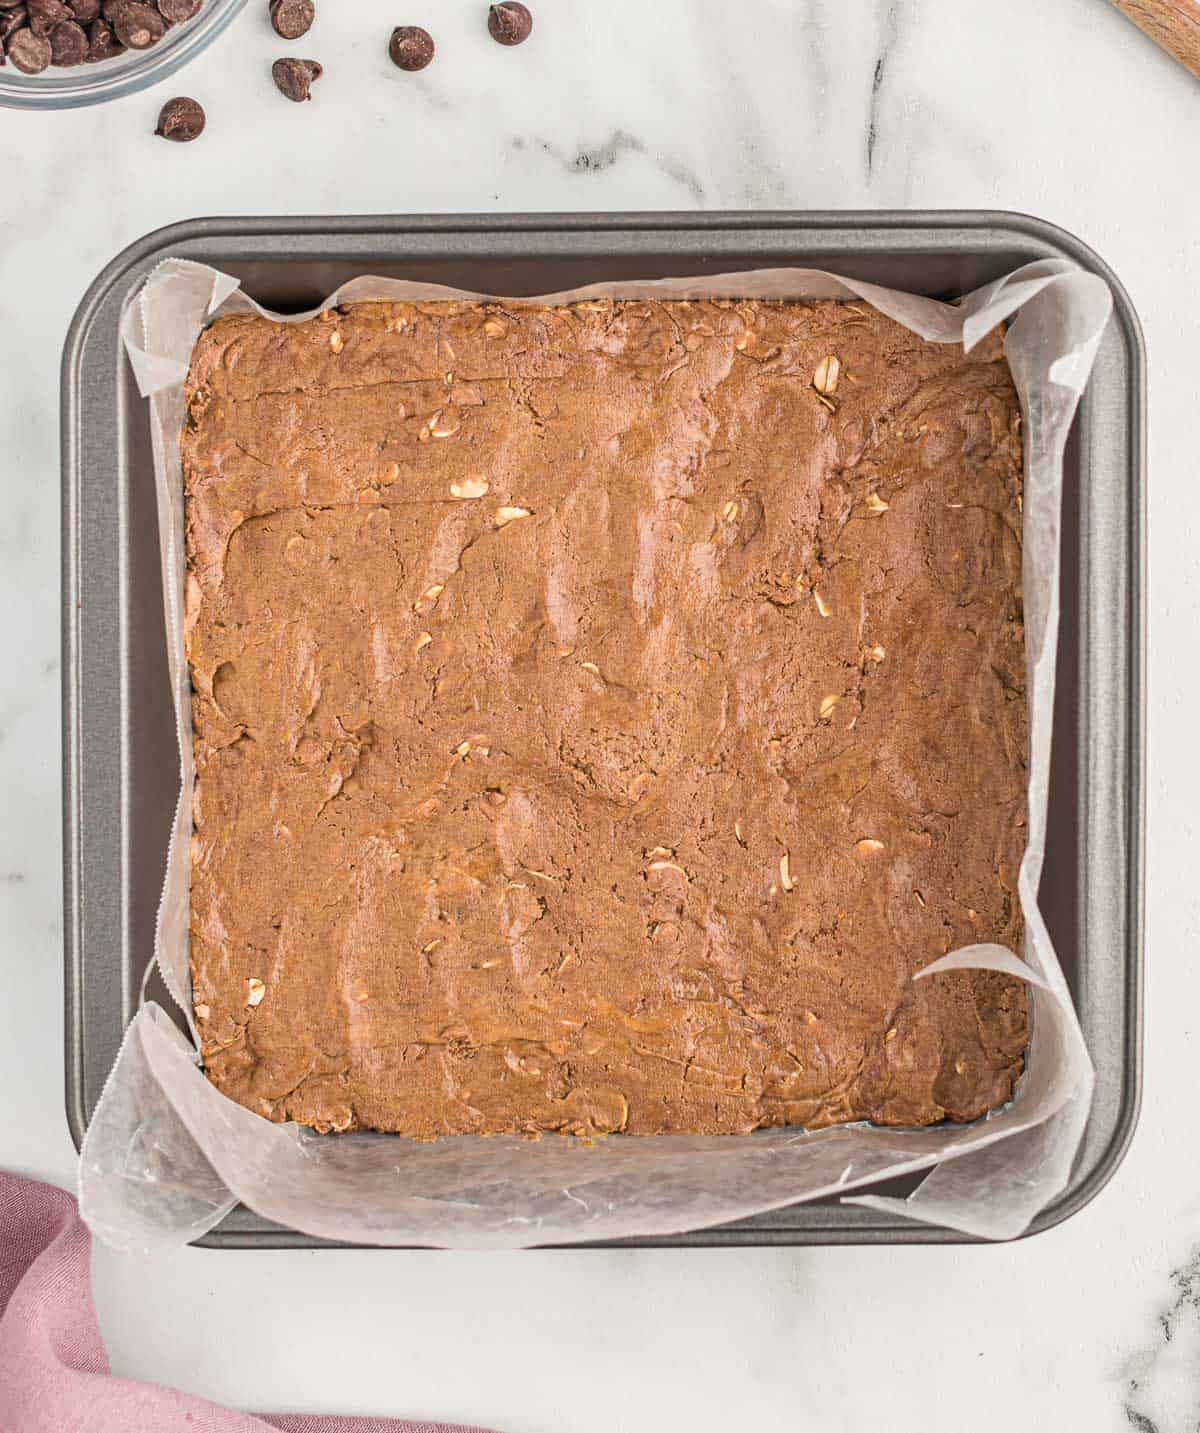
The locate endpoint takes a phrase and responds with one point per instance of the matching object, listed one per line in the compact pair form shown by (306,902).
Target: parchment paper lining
(167,1156)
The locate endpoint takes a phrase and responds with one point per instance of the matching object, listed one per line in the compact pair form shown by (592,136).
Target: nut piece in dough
(828,371)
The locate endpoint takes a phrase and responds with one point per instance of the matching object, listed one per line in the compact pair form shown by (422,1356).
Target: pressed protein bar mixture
(601,712)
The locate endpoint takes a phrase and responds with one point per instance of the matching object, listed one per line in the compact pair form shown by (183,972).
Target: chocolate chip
(87,30)
(181,120)
(509,23)
(135,25)
(68,44)
(45,14)
(410,47)
(12,20)
(295,78)
(292,18)
(175,12)
(102,43)
(29,52)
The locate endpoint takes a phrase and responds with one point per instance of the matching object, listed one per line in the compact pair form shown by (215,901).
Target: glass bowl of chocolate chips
(55,54)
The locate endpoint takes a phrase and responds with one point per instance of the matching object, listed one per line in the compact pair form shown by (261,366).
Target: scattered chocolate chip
(175,12)
(84,11)
(137,26)
(181,120)
(45,14)
(509,23)
(295,78)
(292,18)
(29,52)
(68,44)
(102,43)
(410,47)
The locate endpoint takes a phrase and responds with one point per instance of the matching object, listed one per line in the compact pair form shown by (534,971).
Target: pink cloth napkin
(54,1373)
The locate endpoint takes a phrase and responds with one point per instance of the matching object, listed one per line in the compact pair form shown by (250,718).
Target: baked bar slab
(601,713)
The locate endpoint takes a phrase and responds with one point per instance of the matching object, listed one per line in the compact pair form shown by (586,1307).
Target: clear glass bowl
(110,79)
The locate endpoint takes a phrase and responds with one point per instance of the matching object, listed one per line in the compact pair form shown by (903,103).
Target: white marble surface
(1061,110)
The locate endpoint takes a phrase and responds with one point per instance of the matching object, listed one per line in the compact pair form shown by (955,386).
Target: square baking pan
(120,761)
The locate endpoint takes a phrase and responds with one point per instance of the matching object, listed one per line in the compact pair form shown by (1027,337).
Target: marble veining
(596,158)
(888,39)
(1162,1379)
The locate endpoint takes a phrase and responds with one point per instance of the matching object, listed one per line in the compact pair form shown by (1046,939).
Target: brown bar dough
(601,712)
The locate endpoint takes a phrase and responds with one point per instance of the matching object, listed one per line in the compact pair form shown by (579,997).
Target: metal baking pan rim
(990,224)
